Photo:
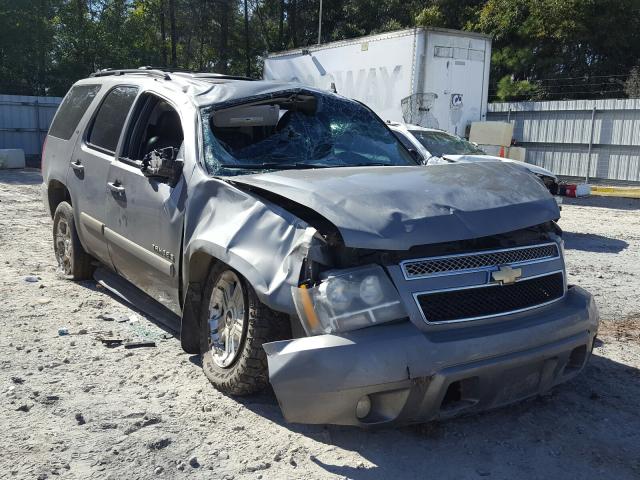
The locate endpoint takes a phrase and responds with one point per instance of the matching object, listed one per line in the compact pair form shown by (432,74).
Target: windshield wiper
(297,166)
(273,165)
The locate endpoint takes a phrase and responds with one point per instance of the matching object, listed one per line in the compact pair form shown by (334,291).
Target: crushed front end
(433,331)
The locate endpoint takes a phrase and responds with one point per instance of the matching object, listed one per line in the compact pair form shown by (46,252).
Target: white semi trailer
(431,77)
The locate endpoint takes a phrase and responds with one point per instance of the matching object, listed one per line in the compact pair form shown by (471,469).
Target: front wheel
(233,326)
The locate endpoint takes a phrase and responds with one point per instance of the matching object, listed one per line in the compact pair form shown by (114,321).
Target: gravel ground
(73,408)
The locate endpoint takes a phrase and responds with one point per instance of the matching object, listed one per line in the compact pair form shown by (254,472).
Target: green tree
(544,41)
(632,85)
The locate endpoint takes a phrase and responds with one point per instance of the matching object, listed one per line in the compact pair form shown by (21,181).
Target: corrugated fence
(578,138)
(25,120)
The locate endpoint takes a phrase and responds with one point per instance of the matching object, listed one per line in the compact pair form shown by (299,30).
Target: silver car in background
(434,147)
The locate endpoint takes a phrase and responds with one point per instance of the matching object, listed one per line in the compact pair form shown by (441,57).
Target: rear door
(455,72)
(90,163)
(145,215)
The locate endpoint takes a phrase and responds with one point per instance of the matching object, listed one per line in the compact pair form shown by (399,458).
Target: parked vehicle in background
(431,77)
(435,147)
(288,226)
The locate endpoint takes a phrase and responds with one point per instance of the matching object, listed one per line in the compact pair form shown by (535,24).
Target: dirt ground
(73,408)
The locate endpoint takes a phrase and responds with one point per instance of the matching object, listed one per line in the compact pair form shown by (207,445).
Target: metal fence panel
(573,136)
(25,120)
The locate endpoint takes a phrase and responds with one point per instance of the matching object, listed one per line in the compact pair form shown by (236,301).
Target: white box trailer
(432,77)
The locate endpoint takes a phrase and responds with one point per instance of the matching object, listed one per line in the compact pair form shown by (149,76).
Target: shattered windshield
(297,130)
(441,143)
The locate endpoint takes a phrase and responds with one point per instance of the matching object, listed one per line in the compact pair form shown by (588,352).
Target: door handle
(77,166)
(115,187)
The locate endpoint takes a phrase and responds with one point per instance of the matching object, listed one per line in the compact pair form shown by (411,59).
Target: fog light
(363,407)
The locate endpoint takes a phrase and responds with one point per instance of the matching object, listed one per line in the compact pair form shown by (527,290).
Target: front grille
(414,269)
(491,300)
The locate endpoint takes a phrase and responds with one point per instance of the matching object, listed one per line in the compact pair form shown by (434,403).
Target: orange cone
(501,154)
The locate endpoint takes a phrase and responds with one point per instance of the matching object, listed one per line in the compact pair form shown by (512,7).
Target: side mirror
(163,164)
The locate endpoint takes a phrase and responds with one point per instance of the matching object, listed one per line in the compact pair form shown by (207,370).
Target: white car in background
(437,146)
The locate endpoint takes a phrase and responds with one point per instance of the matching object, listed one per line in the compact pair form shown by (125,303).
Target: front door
(145,215)
(90,164)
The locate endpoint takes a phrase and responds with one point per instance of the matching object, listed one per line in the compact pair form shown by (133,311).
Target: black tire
(74,261)
(247,373)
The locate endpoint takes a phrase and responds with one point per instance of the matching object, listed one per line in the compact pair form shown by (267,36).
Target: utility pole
(320,25)
(246,38)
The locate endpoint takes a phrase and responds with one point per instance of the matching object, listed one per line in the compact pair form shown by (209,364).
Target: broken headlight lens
(347,300)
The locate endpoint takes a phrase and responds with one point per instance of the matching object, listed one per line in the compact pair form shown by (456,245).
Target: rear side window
(72,109)
(110,118)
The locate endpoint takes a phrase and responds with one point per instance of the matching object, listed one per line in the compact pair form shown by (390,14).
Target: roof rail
(124,71)
(161,73)
(205,75)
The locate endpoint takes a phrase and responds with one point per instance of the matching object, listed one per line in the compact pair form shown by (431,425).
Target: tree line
(542,49)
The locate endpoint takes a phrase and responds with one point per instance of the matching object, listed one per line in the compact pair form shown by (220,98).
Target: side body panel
(378,70)
(144,231)
(144,226)
(263,242)
(86,180)
(58,155)
(55,164)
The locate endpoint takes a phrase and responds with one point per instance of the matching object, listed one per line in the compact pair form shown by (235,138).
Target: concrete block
(491,133)
(12,158)
(491,149)
(517,153)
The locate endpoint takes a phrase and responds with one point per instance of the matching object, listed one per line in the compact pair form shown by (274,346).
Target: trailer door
(455,73)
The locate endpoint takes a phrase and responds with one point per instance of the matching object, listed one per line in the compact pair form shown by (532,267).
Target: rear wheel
(233,327)
(73,261)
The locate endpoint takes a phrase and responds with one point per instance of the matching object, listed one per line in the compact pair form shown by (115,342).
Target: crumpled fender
(263,242)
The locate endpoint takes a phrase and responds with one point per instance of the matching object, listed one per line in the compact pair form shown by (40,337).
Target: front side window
(108,123)
(442,143)
(72,109)
(155,125)
(297,129)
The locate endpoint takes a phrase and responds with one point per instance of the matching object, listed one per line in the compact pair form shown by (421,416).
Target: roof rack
(124,71)
(164,73)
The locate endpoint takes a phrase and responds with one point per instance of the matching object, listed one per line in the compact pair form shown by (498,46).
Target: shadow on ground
(590,242)
(21,177)
(616,203)
(168,329)
(558,436)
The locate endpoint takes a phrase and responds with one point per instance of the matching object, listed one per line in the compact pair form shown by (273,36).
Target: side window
(109,120)
(72,109)
(155,125)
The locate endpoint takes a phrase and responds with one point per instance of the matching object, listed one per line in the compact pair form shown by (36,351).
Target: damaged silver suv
(295,241)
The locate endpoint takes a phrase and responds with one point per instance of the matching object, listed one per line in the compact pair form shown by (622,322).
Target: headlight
(371,290)
(337,293)
(347,300)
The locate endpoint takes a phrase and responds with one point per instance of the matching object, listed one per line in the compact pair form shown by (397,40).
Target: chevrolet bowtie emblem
(506,275)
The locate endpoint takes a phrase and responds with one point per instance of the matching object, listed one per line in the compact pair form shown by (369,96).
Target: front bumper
(412,376)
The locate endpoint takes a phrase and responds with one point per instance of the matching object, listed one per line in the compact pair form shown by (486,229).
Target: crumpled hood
(490,158)
(396,208)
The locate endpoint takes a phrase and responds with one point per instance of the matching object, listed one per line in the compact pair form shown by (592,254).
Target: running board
(139,300)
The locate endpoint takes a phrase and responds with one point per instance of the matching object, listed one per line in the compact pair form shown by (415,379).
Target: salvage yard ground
(73,408)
